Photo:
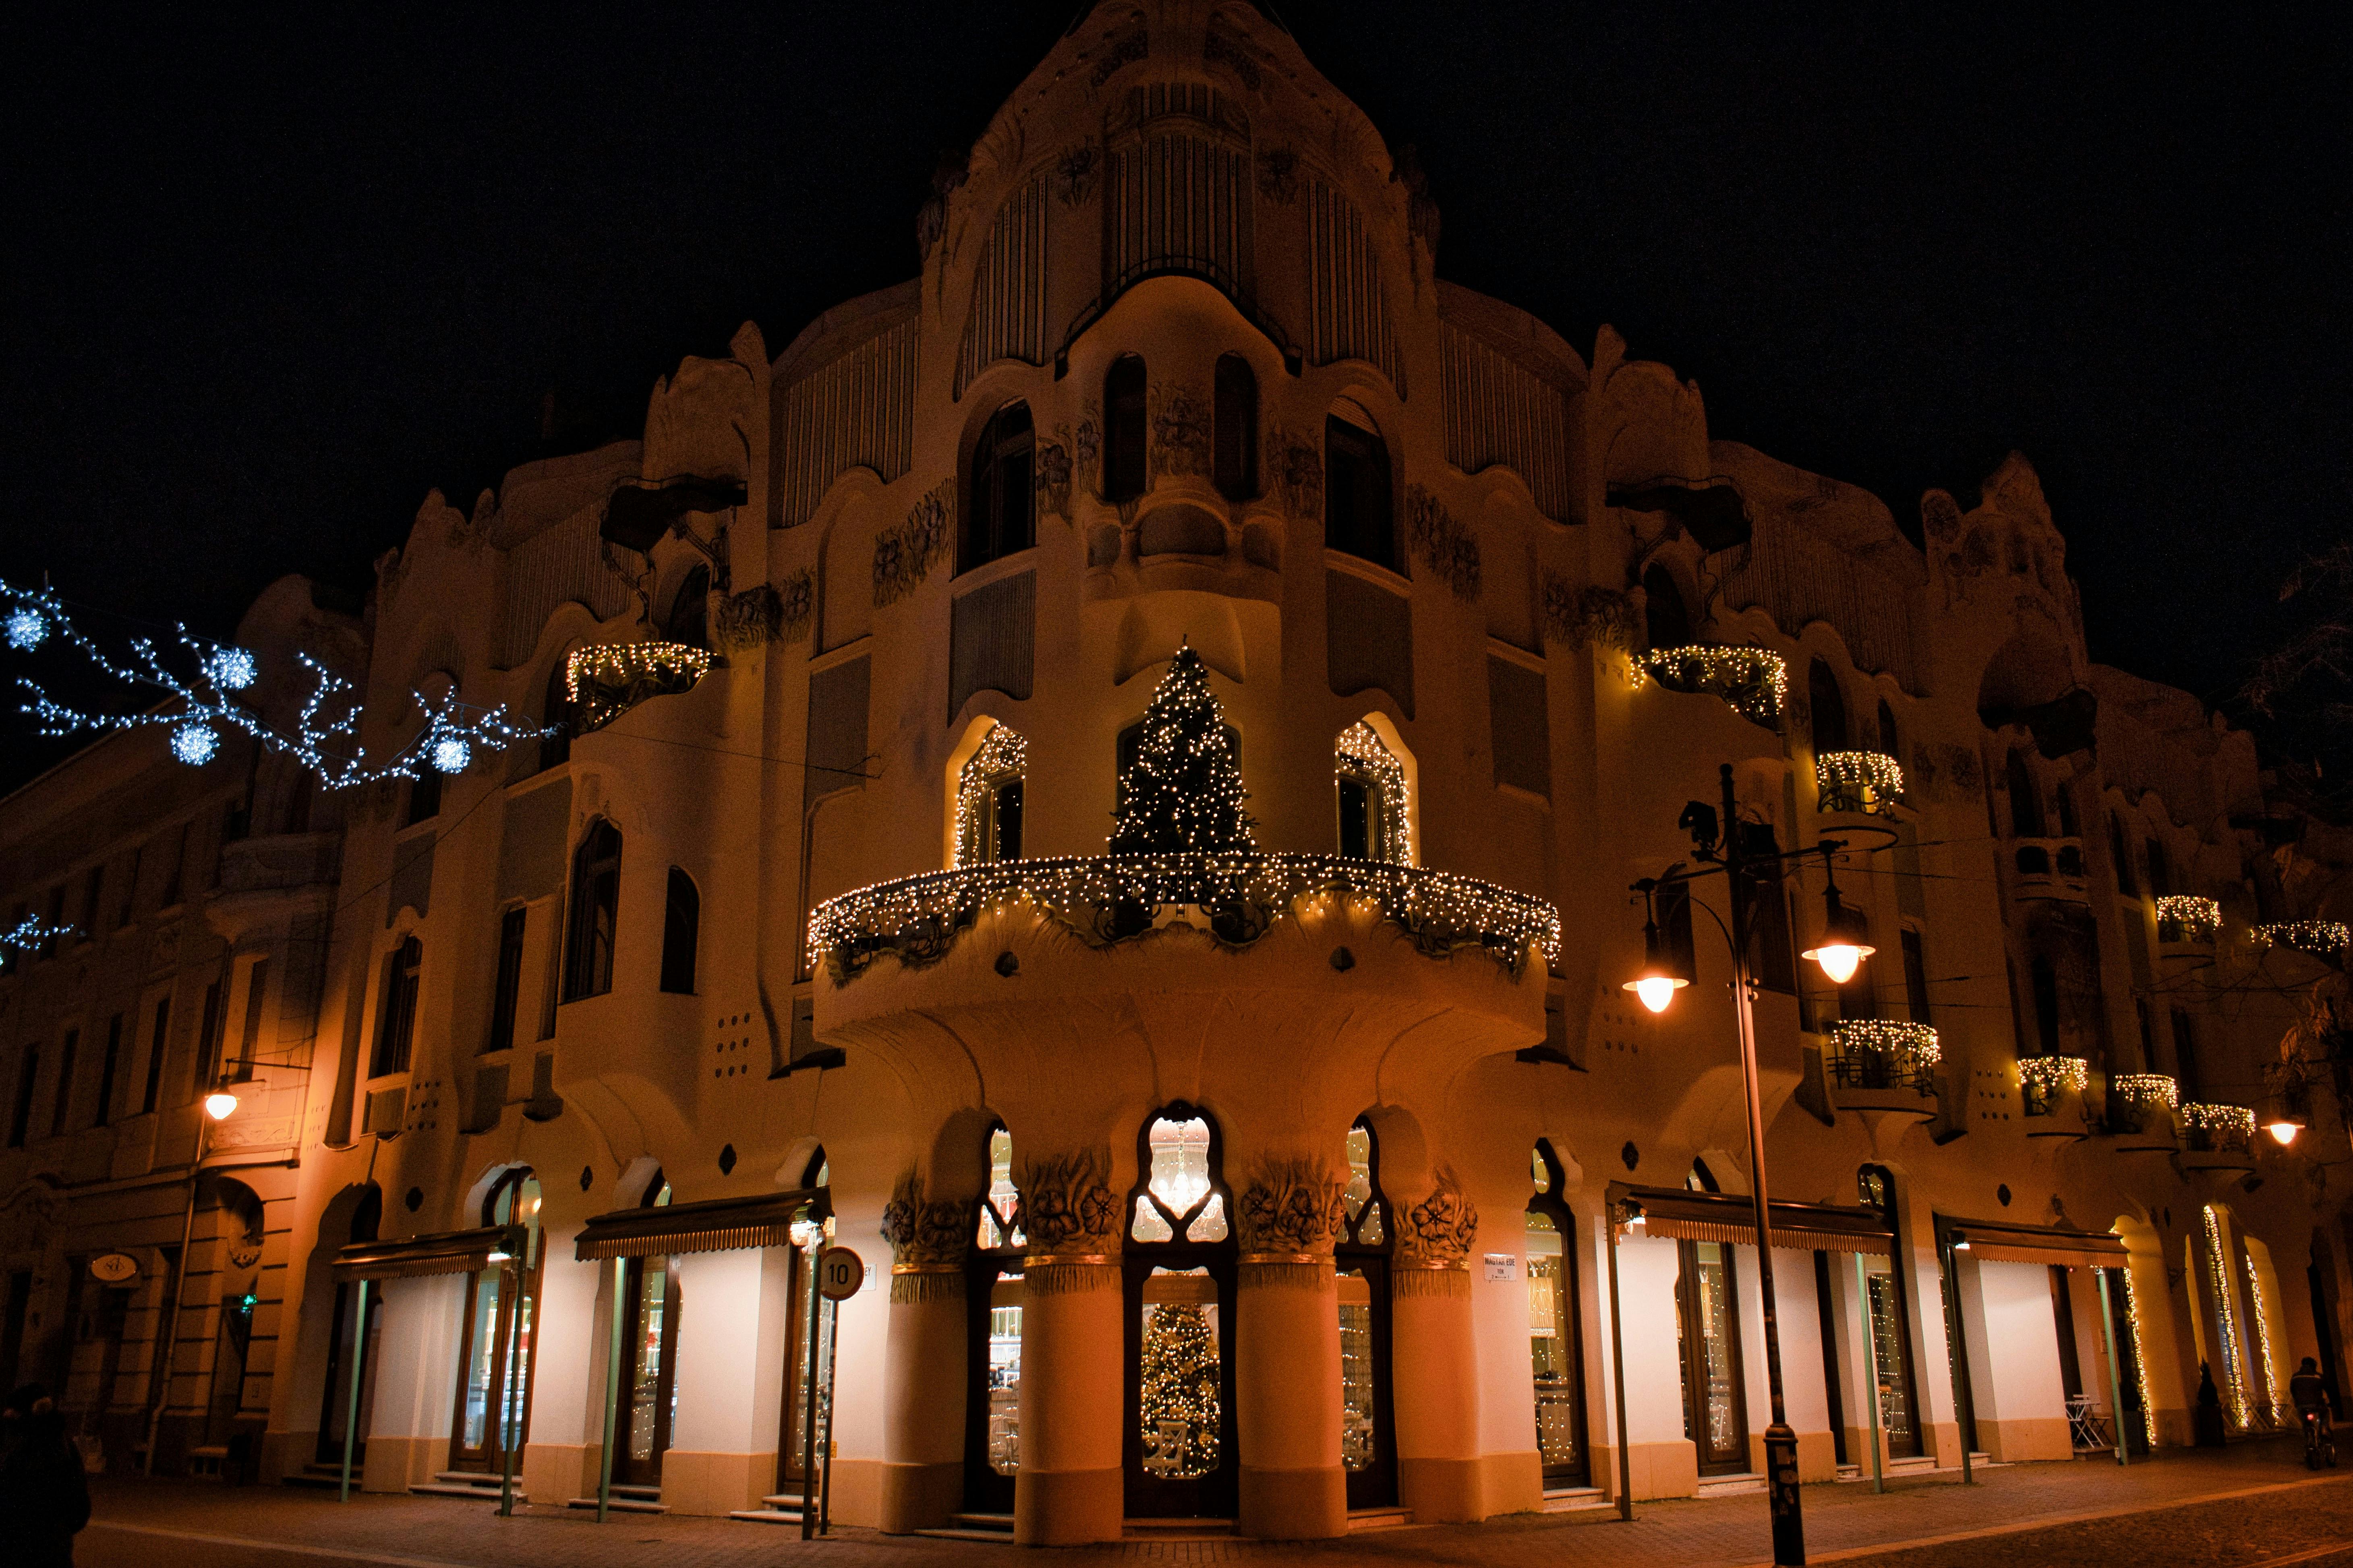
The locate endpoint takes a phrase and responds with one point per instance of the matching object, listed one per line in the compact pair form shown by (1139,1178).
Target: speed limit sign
(840,1273)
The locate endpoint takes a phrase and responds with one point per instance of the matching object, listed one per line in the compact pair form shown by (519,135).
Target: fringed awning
(714,1225)
(2007,1241)
(1682,1215)
(416,1256)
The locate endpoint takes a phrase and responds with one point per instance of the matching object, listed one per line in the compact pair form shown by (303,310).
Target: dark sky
(271,278)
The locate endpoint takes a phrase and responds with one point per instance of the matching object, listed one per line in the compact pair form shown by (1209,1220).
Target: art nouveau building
(1274,1191)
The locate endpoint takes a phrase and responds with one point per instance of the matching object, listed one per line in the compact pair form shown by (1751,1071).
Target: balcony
(1865,784)
(607,680)
(2323,939)
(2050,869)
(2185,920)
(2051,1089)
(2218,1138)
(2140,1112)
(1883,1066)
(1752,683)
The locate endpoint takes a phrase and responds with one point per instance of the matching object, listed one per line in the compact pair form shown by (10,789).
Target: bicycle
(2319,1441)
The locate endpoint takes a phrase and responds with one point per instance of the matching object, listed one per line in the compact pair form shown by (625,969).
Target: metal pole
(1780,1442)
(168,1352)
(1965,1403)
(2115,1369)
(512,1279)
(1870,1362)
(351,1401)
(1618,1369)
(810,1478)
(831,1312)
(612,1386)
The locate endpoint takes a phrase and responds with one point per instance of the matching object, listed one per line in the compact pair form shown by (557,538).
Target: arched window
(1554,1344)
(1888,742)
(2025,799)
(2068,827)
(1179,1300)
(1361,1267)
(681,930)
(1123,422)
(1180,1198)
(2044,979)
(1665,618)
(1889,1322)
(2161,870)
(1829,705)
(1359,510)
(1372,798)
(1236,461)
(989,799)
(396,1017)
(596,908)
(1002,519)
(993,1403)
(488,1383)
(690,610)
(555,714)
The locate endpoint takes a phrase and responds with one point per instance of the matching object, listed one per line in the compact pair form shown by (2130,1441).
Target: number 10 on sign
(840,1273)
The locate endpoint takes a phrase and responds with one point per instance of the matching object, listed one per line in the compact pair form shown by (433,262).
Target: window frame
(988,533)
(596,886)
(1373,492)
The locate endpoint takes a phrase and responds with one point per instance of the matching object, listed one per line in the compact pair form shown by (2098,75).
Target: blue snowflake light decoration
(231,668)
(451,754)
(195,743)
(25,629)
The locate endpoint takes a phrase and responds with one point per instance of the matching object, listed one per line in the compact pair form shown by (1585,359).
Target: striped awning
(2008,1241)
(714,1225)
(1682,1215)
(416,1257)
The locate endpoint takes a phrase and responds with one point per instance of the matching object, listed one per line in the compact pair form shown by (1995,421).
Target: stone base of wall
(1659,1469)
(1068,1508)
(707,1482)
(1293,1505)
(396,1463)
(2025,1439)
(1817,1455)
(917,1497)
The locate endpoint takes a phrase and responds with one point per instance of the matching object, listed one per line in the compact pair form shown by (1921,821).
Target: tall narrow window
(158,1035)
(396,1019)
(2161,870)
(1361,1257)
(1665,618)
(123,910)
(208,1034)
(2120,852)
(690,611)
(1237,428)
(256,991)
(989,799)
(1360,514)
(66,1064)
(111,1064)
(2185,1055)
(295,818)
(175,867)
(682,926)
(93,887)
(1829,706)
(1915,976)
(2044,981)
(555,717)
(506,994)
(1889,742)
(1123,429)
(2025,799)
(1555,1351)
(56,921)
(1373,799)
(20,1117)
(1002,519)
(424,797)
(2068,827)
(596,909)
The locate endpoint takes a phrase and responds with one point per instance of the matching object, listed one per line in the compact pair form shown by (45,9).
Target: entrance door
(1891,1353)
(1707,1307)
(650,1334)
(1556,1349)
(495,1341)
(1180,1276)
(808,1310)
(992,1447)
(335,1405)
(1361,1261)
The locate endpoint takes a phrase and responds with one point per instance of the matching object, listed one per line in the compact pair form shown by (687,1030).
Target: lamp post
(219,1106)
(1716,842)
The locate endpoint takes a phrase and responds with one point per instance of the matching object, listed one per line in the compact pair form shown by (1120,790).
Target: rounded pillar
(925,1378)
(1434,1357)
(1287,1391)
(1071,1488)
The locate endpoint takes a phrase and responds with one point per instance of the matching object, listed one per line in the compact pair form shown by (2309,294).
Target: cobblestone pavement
(2251,1504)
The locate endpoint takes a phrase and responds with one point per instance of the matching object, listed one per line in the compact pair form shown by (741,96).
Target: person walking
(44,1495)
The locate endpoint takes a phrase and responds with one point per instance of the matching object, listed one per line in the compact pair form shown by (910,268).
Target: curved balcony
(606,680)
(2218,1138)
(2185,919)
(1865,783)
(2323,939)
(2049,868)
(1236,896)
(1753,681)
(1882,1065)
(2140,1112)
(2051,1089)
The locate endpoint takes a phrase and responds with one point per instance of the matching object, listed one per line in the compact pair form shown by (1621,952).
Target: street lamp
(220,1104)
(1716,841)
(2286,1120)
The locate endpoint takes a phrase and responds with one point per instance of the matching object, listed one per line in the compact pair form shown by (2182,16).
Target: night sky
(272,279)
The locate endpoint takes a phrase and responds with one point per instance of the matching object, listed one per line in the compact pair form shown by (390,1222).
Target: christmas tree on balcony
(1180,1405)
(1184,791)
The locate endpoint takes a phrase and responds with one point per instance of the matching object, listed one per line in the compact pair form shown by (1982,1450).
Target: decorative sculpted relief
(765,614)
(1442,543)
(1075,171)
(1278,175)
(1180,430)
(1054,475)
(1434,1239)
(1126,48)
(1071,1218)
(1298,472)
(1603,616)
(1290,1210)
(928,1242)
(1221,47)
(905,555)
(1087,446)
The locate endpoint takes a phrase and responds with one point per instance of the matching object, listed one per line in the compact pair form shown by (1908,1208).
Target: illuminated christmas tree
(1180,1408)
(1184,791)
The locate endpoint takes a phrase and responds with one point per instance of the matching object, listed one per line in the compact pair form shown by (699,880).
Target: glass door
(1361,1262)
(496,1335)
(810,1227)
(1555,1350)
(993,1358)
(335,1404)
(1180,1276)
(1707,1306)
(649,1393)
(1898,1415)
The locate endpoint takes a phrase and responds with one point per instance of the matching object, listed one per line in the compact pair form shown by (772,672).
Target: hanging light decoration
(26,628)
(230,669)
(451,754)
(195,743)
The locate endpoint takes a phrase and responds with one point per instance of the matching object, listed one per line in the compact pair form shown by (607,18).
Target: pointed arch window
(1665,616)
(1373,799)
(993,1400)
(1888,742)
(596,910)
(1180,1198)
(1829,705)
(1361,1274)
(989,799)
(1555,1345)
(1000,1227)
(690,610)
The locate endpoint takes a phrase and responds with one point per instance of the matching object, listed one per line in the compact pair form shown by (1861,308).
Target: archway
(1180,1279)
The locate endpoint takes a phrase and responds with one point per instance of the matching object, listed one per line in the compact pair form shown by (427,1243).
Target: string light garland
(2047,1076)
(1004,754)
(2186,917)
(2140,1361)
(2217,1275)
(2277,1407)
(2145,1088)
(606,680)
(325,738)
(2221,1127)
(32,933)
(2322,938)
(1359,751)
(1894,1037)
(1754,681)
(1859,781)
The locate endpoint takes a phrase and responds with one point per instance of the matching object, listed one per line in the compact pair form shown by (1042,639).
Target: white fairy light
(1359,750)
(2187,917)
(1003,754)
(26,628)
(32,933)
(231,668)
(450,755)
(195,743)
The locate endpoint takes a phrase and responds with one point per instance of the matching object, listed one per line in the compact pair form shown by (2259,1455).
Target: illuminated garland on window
(607,680)
(1859,781)
(2322,938)
(1754,681)
(2219,1277)
(2145,1088)
(2186,917)
(2223,1127)
(2048,1075)
(1003,754)
(1112,897)
(1899,1039)
(1359,750)
(2263,1340)
(325,738)
(2140,1361)
(32,933)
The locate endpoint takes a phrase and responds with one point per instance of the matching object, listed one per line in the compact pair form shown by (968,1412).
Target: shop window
(1555,1352)
(497,1335)
(681,928)
(395,1019)
(1665,620)
(1001,519)
(1361,1268)
(1827,704)
(1236,459)
(994,1399)
(596,909)
(1123,427)
(1359,510)
(690,611)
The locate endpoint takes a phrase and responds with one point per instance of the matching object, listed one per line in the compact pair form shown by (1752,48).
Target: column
(415,1381)
(723,1452)
(564,1444)
(925,1380)
(2013,1350)
(1434,1355)
(1070,1487)
(1286,1331)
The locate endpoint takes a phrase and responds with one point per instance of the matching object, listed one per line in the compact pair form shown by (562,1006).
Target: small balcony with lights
(2187,925)
(1882,1066)
(2052,1090)
(1857,783)
(2218,1138)
(1752,681)
(2322,939)
(2049,870)
(2139,1114)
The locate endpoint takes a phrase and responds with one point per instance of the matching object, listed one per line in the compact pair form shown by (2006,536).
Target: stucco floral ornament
(1286,1221)
(1067,1209)
(928,1242)
(1434,1237)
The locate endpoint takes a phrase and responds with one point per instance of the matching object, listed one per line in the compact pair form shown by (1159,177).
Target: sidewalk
(2086,1511)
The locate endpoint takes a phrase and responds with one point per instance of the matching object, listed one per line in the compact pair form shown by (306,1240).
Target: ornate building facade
(1329,1173)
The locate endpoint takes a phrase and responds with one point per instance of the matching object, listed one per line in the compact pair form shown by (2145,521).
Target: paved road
(2248,1505)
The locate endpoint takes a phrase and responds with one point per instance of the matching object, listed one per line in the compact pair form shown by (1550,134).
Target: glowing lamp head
(1657,985)
(451,754)
(1844,943)
(501,1255)
(26,628)
(1839,960)
(220,1105)
(195,743)
(2283,1131)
